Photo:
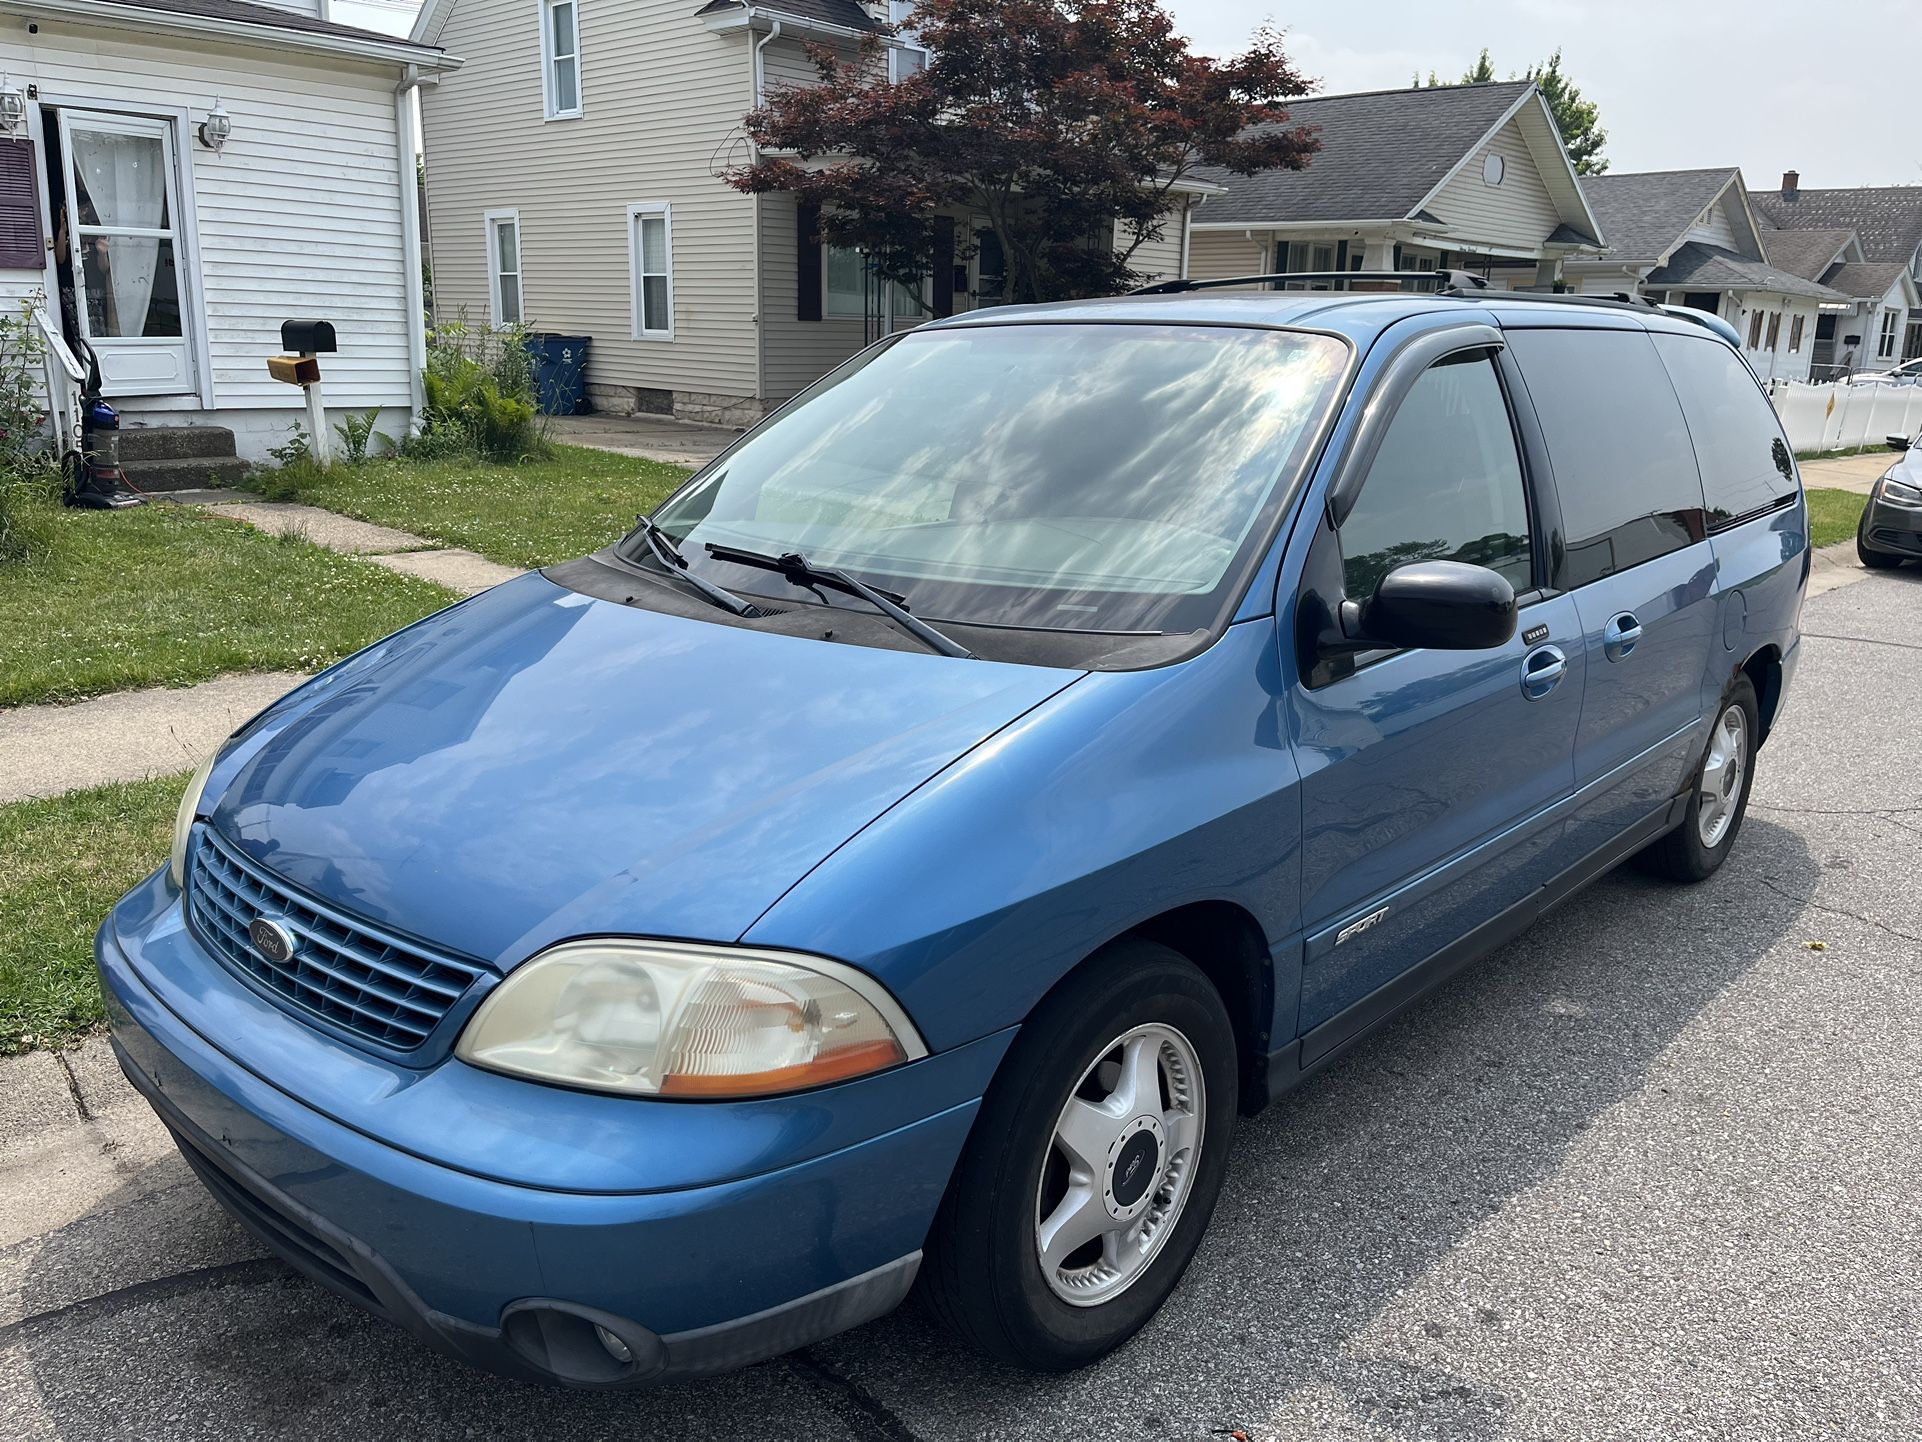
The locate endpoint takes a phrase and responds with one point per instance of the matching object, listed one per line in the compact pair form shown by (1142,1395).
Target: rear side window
(1446,484)
(1745,463)
(1624,468)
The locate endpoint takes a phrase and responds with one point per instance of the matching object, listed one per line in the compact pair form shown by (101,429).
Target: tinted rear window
(1624,468)
(1746,466)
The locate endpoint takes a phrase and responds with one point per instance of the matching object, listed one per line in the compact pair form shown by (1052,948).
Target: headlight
(184,818)
(655,1018)
(1894,490)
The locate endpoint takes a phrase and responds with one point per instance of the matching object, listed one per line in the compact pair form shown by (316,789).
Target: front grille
(375,986)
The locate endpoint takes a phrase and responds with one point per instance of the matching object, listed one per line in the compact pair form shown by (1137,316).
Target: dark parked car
(1890,531)
(905,854)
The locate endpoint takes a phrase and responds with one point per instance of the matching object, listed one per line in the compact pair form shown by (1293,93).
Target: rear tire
(1110,1118)
(1718,799)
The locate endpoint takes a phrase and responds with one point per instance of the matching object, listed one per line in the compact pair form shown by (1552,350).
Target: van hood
(536,764)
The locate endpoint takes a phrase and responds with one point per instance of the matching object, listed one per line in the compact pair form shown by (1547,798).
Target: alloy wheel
(1121,1164)
(1724,773)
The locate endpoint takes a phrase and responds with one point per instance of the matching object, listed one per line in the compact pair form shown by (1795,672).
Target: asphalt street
(1650,1172)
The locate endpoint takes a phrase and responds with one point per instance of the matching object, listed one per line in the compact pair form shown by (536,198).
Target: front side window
(1745,462)
(1069,476)
(1446,484)
(504,265)
(1624,468)
(561,56)
(652,259)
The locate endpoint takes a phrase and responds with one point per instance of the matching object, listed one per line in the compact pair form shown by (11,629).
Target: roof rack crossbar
(1444,280)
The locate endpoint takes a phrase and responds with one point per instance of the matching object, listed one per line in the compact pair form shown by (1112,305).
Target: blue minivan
(900,859)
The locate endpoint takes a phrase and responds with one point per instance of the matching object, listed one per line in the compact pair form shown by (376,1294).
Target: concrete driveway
(1651,1172)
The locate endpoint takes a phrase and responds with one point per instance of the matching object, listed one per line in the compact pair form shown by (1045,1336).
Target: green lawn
(527,515)
(63,863)
(171,595)
(1833,515)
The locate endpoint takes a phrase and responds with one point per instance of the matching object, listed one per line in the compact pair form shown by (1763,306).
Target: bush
(29,472)
(480,397)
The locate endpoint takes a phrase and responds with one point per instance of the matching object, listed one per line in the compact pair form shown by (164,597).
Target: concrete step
(189,473)
(174,443)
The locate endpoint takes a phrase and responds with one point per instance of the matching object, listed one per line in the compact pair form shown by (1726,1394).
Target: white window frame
(489,222)
(907,42)
(1888,336)
(545,10)
(635,214)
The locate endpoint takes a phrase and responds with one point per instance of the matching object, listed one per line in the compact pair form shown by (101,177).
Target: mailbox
(296,370)
(308,337)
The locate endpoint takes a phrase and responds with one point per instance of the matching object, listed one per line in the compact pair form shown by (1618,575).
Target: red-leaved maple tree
(1067,124)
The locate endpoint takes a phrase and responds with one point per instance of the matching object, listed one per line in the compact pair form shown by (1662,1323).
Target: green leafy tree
(1578,120)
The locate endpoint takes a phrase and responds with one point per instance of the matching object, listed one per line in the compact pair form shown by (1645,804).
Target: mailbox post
(305,341)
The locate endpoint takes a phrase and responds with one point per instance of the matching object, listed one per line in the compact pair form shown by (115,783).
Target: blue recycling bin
(560,372)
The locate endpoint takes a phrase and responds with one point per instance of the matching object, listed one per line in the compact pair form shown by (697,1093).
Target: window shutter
(807,261)
(22,247)
(943,266)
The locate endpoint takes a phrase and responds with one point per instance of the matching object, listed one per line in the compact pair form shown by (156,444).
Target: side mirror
(1898,443)
(1435,605)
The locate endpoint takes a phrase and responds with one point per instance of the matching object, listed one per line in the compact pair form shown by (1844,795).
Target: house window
(844,288)
(651,258)
(1885,342)
(504,265)
(1775,330)
(561,57)
(1755,330)
(1795,335)
(906,56)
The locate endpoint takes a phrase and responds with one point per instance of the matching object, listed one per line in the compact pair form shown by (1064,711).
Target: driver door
(1430,777)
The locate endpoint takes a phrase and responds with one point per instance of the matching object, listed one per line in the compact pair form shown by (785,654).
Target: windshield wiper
(675,564)
(802,572)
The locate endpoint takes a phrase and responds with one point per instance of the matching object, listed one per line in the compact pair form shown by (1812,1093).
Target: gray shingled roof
(1642,215)
(1863,279)
(1381,153)
(844,13)
(1710,267)
(1806,253)
(1886,218)
(248,14)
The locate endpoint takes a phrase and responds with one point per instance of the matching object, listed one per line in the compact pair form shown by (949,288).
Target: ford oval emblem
(272,940)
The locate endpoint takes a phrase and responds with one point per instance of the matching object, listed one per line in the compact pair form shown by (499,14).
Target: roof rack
(1453,284)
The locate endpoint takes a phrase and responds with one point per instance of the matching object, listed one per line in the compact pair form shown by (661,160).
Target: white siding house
(176,258)
(1690,237)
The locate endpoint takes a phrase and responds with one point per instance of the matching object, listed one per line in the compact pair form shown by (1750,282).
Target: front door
(1431,780)
(123,213)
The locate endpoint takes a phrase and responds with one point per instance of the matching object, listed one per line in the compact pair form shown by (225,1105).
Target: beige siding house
(574,184)
(1450,177)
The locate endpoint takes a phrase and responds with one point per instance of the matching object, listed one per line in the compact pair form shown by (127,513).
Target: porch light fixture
(13,106)
(215,129)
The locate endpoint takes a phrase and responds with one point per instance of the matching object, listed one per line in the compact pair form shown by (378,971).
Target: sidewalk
(652,438)
(131,735)
(1847,473)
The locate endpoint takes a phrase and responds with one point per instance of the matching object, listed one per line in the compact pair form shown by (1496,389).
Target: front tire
(1874,560)
(1695,850)
(1093,1167)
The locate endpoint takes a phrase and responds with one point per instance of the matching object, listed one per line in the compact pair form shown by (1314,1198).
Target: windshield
(1064,476)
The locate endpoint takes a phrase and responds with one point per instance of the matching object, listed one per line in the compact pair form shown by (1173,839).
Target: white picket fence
(1831,416)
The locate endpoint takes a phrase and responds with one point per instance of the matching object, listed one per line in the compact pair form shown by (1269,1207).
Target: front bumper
(511,1277)
(1891,527)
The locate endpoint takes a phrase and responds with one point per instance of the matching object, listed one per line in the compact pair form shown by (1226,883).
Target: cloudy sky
(1833,89)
